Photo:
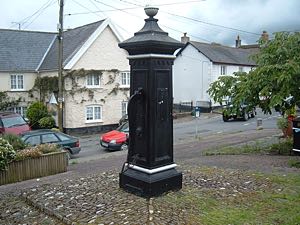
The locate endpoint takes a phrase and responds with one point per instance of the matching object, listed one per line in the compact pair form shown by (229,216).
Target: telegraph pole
(60,66)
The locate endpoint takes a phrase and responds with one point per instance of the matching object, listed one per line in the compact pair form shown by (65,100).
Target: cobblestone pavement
(89,193)
(97,199)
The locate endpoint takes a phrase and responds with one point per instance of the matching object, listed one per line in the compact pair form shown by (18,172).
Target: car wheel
(124,147)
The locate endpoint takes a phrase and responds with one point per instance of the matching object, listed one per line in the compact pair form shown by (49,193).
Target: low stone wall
(90,130)
(26,169)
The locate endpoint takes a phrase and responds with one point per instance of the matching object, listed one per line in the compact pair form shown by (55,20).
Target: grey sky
(251,17)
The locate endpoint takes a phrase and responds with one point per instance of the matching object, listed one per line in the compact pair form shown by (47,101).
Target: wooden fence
(26,169)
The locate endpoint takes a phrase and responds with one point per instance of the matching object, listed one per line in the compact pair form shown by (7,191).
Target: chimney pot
(238,42)
(185,39)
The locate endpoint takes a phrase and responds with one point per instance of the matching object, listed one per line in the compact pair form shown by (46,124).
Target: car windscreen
(123,128)
(13,121)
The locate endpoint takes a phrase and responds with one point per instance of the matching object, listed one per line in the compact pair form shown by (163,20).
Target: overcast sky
(207,20)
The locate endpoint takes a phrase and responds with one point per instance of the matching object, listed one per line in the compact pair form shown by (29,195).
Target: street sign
(60,99)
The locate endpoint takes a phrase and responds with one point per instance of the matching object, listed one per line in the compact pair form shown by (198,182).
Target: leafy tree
(276,77)
(6,102)
(35,112)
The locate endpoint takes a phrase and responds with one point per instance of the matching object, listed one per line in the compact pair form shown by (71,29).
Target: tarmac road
(185,130)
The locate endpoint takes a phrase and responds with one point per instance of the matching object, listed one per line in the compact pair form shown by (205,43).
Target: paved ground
(89,194)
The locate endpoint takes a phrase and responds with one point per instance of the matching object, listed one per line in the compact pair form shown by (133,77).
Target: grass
(294,163)
(276,205)
(283,147)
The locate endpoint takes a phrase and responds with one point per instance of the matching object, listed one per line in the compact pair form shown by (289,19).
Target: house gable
(103,54)
(115,37)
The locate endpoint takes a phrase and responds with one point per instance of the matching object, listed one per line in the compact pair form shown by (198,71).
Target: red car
(13,123)
(116,139)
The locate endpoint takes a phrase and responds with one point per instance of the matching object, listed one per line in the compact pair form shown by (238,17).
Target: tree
(6,102)
(275,79)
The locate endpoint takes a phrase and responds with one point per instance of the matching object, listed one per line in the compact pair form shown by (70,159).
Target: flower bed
(29,168)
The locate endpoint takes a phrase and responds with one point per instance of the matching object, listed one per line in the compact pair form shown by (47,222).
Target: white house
(198,64)
(96,73)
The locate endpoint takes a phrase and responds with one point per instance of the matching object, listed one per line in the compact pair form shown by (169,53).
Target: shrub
(28,153)
(7,153)
(48,148)
(282,123)
(16,141)
(47,122)
(35,112)
(37,151)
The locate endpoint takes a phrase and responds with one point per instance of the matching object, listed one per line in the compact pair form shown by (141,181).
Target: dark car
(42,136)
(123,119)
(243,112)
(13,123)
(116,139)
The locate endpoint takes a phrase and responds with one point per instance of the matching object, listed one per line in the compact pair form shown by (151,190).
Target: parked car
(13,123)
(244,112)
(116,139)
(42,136)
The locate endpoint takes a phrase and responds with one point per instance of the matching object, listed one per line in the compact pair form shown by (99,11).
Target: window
(223,70)
(49,138)
(93,113)
(20,110)
(241,69)
(16,82)
(125,76)
(62,137)
(34,140)
(124,108)
(93,80)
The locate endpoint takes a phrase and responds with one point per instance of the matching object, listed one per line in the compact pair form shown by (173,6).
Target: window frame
(241,69)
(93,120)
(223,70)
(22,112)
(17,88)
(126,79)
(93,85)
(124,106)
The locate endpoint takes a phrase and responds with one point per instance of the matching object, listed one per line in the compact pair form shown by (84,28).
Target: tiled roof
(23,50)
(73,41)
(226,55)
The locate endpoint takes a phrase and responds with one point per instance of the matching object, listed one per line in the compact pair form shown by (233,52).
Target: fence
(26,169)
(183,107)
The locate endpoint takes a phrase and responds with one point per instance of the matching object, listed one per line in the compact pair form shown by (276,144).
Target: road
(185,130)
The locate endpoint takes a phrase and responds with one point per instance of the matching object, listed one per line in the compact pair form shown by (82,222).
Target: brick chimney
(185,39)
(238,42)
(265,36)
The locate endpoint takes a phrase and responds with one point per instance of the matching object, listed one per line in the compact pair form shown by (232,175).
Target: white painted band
(156,170)
(151,56)
(297,150)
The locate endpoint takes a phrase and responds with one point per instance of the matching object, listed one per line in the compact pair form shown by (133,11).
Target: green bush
(35,112)
(47,122)
(282,123)
(16,141)
(7,153)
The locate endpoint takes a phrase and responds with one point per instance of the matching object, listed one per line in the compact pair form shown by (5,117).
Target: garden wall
(26,169)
